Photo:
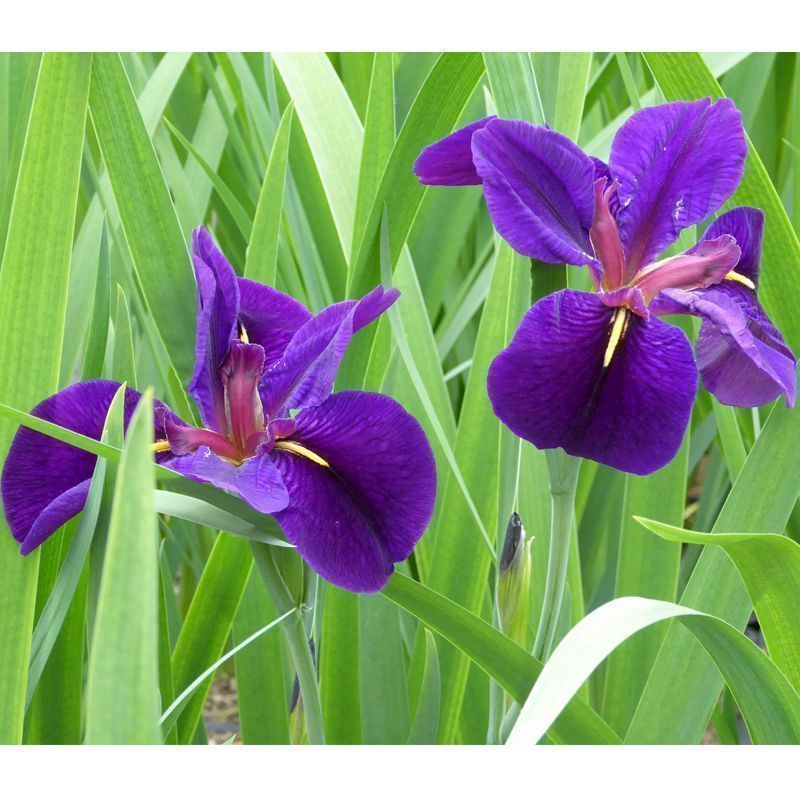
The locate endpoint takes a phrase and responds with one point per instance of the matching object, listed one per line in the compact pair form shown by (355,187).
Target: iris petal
(741,355)
(448,162)
(270,317)
(305,374)
(550,385)
(256,480)
(539,188)
(45,481)
(353,520)
(217,313)
(677,163)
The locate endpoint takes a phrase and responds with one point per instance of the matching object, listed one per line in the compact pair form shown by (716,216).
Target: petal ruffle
(677,163)
(256,480)
(448,162)
(270,317)
(550,386)
(45,481)
(539,188)
(746,225)
(353,520)
(217,314)
(741,355)
(304,376)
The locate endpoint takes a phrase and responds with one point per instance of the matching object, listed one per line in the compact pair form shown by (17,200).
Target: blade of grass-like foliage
(426,719)
(52,617)
(332,128)
(677,711)
(435,112)
(170,715)
(146,212)
(401,341)
(768,702)
(379,127)
(240,216)
(122,684)
(260,673)
(262,251)
(646,567)
(383,693)
(339,660)
(123,361)
(730,438)
(514,86)
(39,243)
(202,512)
(507,663)
(770,568)
(460,560)
(208,624)
(685,76)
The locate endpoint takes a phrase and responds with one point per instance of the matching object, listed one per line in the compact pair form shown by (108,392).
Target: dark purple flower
(599,374)
(350,477)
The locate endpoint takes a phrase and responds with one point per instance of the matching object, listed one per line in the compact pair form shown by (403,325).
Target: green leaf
(262,252)
(208,624)
(678,711)
(147,215)
(770,568)
(123,360)
(768,702)
(507,663)
(38,243)
(332,128)
(122,684)
(426,719)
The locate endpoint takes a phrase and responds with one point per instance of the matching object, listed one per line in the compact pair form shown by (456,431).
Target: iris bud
(514,581)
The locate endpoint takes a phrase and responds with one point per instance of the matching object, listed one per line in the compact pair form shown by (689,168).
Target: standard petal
(256,480)
(677,163)
(746,225)
(448,162)
(270,317)
(355,518)
(45,481)
(741,355)
(562,383)
(217,313)
(539,188)
(304,376)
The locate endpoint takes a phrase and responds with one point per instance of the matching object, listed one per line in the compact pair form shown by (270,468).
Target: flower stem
(563,471)
(296,639)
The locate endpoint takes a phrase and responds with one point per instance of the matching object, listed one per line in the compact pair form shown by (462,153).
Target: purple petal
(677,163)
(539,188)
(448,162)
(256,480)
(742,357)
(706,264)
(355,518)
(550,386)
(746,225)
(269,317)
(217,313)
(304,376)
(45,481)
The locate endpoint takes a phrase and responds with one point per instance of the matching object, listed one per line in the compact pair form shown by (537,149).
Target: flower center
(244,414)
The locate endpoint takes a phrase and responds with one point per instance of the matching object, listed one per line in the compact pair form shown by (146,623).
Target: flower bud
(513,582)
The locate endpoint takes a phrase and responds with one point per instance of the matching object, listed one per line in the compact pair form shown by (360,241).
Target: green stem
(296,639)
(563,483)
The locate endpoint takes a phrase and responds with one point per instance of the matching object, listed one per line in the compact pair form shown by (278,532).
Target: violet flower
(350,477)
(599,375)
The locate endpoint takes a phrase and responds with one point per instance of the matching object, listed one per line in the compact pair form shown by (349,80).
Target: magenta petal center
(244,413)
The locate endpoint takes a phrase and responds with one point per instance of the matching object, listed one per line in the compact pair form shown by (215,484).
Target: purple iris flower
(350,477)
(599,374)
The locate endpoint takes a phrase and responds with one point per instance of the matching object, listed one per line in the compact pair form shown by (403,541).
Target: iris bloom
(350,477)
(599,374)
